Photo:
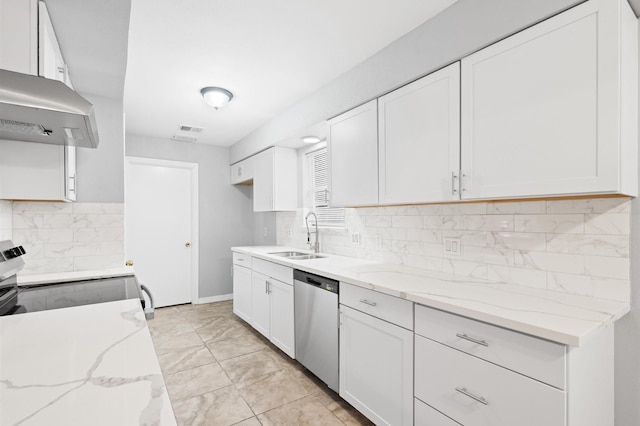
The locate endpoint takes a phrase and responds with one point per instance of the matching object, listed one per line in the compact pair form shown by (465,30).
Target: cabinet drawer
(273,270)
(242,259)
(540,359)
(426,416)
(475,392)
(393,309)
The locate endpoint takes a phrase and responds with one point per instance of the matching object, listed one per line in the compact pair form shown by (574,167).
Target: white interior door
(161,227)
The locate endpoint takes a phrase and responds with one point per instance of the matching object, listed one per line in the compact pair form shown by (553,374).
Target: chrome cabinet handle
(267,286)
(454,177)
(465,392)
(366,302)
(471,339)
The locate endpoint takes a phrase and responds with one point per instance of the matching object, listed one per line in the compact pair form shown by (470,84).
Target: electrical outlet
(289,233)
(451,246)
(355,239)
(265,231)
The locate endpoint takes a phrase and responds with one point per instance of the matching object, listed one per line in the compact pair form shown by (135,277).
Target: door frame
(195,229)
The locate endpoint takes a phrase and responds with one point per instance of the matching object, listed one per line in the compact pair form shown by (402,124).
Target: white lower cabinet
(376,365)
(272,304)
(242,286)
(477,374)
(428,416)
(476,392)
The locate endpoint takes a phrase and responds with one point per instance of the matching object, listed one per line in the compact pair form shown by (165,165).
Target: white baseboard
(212,299)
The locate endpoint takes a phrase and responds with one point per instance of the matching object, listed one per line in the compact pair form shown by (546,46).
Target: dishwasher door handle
(313,282)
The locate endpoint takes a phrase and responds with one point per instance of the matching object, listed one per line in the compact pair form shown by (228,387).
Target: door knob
(187,244)
(129,263)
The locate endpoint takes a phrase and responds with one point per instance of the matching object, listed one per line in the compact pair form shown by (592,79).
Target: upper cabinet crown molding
(552,110)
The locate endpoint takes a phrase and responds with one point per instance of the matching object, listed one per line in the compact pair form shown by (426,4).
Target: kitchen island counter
(560,317)
(92,364)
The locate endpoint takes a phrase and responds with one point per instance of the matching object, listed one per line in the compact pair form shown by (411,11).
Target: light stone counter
(86,365)
(560,317)
(57,277)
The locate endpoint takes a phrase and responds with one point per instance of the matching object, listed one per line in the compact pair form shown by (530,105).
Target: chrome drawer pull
(471,339)
(465,392)
(366,302)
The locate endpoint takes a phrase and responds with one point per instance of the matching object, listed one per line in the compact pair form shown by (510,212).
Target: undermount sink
(297,255)
(288,253)
(307,257)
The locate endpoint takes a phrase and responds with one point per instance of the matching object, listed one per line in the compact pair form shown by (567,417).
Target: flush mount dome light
(217,97)
(310,139)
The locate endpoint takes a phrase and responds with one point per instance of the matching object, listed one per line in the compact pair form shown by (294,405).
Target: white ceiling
(270,54)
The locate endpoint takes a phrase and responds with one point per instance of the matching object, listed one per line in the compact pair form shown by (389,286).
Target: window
(328,217)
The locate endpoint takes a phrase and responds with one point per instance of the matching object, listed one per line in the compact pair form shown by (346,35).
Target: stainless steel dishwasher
(316,324)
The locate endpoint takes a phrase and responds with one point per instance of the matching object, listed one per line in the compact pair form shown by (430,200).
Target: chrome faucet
(316,245)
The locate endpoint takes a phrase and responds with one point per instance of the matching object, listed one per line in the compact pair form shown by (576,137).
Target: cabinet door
(376,367)
(51,63)
(420,139)
(542,110)
(19,36)
(282,320)
(260,303)
(43,165)
(263,182)
(242,292)
(353,157)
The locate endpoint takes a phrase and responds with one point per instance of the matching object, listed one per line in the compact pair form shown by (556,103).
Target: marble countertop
(86,365)
(560,317)
(56,277)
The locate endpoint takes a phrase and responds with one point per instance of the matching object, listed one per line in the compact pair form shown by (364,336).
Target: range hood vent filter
(21,128)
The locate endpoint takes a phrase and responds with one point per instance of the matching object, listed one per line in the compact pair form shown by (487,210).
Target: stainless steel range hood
(37,109)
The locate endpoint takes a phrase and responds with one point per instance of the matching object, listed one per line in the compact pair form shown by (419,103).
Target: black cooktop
(44,297)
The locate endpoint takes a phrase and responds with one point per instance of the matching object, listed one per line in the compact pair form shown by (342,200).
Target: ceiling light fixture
(217,97)
(310,139)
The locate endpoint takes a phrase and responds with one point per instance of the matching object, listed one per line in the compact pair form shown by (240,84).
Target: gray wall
(465,27)
(101,171)
(225,211)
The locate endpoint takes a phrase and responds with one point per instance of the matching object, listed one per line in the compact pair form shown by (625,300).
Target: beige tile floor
(220,371)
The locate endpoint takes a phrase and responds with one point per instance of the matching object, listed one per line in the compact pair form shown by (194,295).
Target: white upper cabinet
(353,157)
(552,110)
(28,42)
(19,36)
(45,172)
(51,64)
(275,177)
(419,138)
(242,172)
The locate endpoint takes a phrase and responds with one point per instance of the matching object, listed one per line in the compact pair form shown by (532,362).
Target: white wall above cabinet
(552,110)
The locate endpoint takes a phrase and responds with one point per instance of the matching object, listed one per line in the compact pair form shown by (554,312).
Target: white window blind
(319,169)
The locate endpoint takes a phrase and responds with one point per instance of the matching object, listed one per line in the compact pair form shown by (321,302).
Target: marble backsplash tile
(6,220)
(576,246)
(61,237)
